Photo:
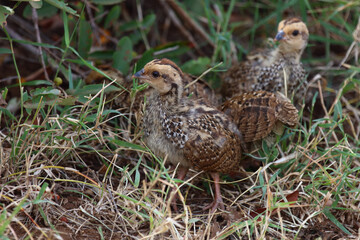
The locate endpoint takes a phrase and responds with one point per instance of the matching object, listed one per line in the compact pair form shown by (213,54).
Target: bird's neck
(292,57)
(172,98)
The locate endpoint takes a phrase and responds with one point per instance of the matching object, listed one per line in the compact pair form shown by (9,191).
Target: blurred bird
(273,70)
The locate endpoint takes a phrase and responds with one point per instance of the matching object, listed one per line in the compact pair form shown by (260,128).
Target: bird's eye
(295,32)
(155,74)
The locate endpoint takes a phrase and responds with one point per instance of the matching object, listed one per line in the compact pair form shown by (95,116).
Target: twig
(10,78)
(349,51)
(165,29)
(354,44)
(112,39)
(92,22)
(324,108)
(38,39)
(24,26)
(356,113)
(14,35)
(179,25)
(34,75)
(166,50)
(141,19)
(190,22)
(281,160)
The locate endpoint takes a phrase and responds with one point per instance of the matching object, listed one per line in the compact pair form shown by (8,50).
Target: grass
(72,159)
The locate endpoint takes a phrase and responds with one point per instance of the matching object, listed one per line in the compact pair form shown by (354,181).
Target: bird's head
(293,35)
(163,75)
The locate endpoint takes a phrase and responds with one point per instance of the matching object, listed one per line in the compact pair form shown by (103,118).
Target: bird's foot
(173,201)
(217,203)
(174,194)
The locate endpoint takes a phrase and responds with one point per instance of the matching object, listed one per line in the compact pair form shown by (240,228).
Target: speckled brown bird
(257,113)
(190,133)
(273,70)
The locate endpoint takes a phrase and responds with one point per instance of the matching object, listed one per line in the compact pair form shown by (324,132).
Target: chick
(274,70)
(190,133)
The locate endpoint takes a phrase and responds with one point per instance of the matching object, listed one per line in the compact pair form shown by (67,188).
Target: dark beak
(279,36)
(139,74)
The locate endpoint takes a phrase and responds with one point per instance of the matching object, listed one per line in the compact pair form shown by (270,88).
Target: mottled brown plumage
(189,132)
(257,113)
(273,70)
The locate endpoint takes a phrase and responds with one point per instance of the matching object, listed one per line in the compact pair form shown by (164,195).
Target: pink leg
(217,200)
(181,174)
